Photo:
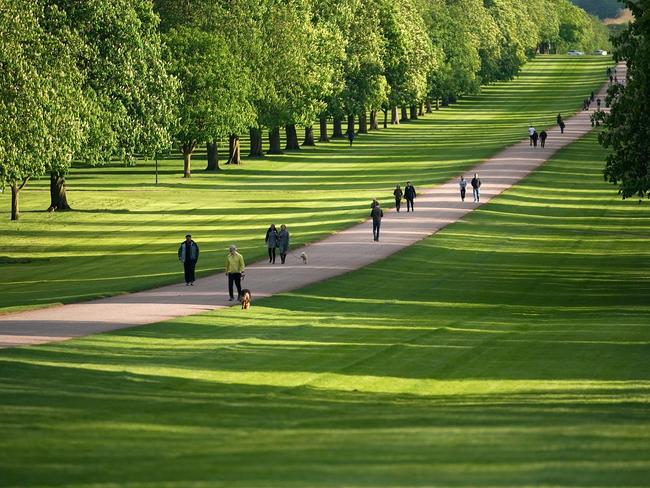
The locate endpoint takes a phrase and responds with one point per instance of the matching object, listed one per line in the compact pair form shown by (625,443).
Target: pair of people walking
(534,136)
(409,195)
(277,240)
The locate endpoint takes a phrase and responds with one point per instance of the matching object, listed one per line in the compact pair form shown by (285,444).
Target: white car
(600,52)
(573,52)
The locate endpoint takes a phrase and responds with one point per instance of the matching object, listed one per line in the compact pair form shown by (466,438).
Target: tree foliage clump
(627,126)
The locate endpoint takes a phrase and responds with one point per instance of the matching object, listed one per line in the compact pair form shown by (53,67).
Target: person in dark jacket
(542,138)
(535,138)
(560,122)
(271,240)
(476,187)
(398,193)
(188,254)
(283,242)
(376,213)
(409,195)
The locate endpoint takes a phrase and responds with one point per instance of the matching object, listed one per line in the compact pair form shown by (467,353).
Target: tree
(627,127)
(41,103)
(130,98)
(215,91)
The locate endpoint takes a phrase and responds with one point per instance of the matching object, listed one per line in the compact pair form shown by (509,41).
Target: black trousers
(189,267)
(271,255)
(409,204)
(376,224)
(234,278)
(398,203)
(462,194)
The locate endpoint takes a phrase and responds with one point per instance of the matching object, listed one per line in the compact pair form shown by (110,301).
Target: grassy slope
(511,349)
(125,232)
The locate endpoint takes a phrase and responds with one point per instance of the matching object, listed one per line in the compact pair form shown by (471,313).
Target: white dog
(303,256)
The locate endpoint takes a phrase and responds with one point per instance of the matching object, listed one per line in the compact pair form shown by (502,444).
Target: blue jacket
(194,252)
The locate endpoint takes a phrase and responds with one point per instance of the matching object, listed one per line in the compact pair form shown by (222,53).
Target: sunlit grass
(511,349)
(125,231)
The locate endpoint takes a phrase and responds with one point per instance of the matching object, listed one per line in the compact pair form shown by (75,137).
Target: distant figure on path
(560,122)
(535,138)
(188,254)
(409,195)
(592,96)
(531,131)
(398,193)
(350,135)
(542,138)
(376,213)
(611,79)
(598,103)
(283,242)
(463,188)
(271,240)
(476,187)
(609,72)
(235,270)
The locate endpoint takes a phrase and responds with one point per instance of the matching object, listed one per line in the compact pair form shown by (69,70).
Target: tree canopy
(627,127)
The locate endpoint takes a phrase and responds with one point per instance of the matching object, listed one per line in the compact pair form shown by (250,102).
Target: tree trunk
(309,136)
(187,160)
(58,197)
(428,105)
(337,130)
(274,141)
(421,109)
(256,143)
(374,125)
(323,129)
(394,120)
(213,156)
(292,137)
(413,112)
(15,198)
(405,115)
(350,123)
(234,149)
(385,118)
(15,202)
(437,103)
(363,125)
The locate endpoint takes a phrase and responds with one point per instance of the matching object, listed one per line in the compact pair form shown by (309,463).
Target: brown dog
(245,299)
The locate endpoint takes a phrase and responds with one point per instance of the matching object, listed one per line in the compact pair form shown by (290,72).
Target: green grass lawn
(511,349)
(125,231)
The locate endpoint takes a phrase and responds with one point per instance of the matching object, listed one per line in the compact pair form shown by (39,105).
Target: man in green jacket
(235,270)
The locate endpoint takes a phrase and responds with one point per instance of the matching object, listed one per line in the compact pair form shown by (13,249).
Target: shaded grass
(508,350)
(125,231)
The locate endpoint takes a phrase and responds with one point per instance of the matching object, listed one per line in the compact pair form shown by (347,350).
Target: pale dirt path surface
(340,253)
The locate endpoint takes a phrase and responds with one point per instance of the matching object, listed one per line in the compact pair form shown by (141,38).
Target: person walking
(598,103)
(271,240)
(463,188)
(560,123)
(283,242)
(531,131)
(476,187)
(409,195)
(376,213)
(350,135)
(535,138)
(235,271)
(398,193)
(188,254)
(542,138)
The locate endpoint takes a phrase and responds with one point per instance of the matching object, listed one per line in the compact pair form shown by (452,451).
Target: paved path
(340,253)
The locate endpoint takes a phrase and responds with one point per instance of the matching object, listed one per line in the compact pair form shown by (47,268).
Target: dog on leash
(303,256)
(245,299)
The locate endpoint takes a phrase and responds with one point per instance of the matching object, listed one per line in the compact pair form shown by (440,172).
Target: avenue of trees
(113,80)
(627,126)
